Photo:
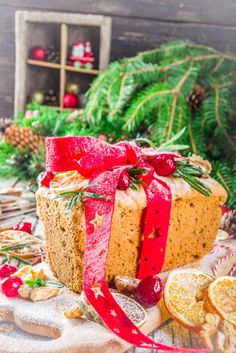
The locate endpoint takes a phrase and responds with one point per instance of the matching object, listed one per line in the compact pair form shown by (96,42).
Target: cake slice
(194,222)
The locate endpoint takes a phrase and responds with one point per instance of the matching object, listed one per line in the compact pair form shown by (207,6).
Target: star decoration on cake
(97,221)
(134,332)
(155,234)
(116,330)
(96,288)
(113,313)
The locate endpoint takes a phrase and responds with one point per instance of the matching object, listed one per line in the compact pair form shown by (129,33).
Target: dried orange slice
(17,237)
(221,295)
(68,181)
(184,297)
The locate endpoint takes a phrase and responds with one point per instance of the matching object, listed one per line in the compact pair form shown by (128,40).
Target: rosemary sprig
(7,259)
(41,283)
(137,171)
(134,173)
(19,259)
(14,247)
(190,173)
(171,146)
(76,197)
(145,140)
(167,146)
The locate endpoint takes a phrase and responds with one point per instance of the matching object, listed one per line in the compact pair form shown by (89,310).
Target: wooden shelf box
(60,29)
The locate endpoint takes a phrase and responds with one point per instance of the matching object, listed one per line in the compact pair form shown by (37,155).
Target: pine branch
(147,96)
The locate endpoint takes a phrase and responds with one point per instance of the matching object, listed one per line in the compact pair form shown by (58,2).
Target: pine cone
(196,98)
(228,222)
(4,123)
(23,137)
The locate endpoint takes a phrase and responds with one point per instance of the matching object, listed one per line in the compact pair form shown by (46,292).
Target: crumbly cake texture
(194,223)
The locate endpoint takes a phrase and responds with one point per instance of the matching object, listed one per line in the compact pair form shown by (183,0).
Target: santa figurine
(81,55)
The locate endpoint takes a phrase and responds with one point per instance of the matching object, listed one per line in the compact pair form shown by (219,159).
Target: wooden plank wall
(137,25)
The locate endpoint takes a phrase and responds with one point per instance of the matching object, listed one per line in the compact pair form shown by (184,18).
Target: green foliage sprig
(41,283)
(76,197)
(148,96)
(191,173)
(6,251)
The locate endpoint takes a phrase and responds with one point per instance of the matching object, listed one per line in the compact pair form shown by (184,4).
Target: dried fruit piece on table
(184,297)
(16,237)
(73,313)
(30,273)
(225,340)
(221,298)
(133,310)
(37,293)
(126,285)
(209,329)
(218,335)
(228,222)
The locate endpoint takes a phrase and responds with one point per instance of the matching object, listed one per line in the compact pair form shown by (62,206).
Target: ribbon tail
(98,215)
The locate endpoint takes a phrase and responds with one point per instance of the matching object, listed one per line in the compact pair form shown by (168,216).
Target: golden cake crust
(194,223)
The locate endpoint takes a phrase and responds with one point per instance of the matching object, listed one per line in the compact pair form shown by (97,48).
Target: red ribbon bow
(68,153)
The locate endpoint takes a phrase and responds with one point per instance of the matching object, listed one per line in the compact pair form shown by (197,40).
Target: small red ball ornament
(71,100)
(38,53)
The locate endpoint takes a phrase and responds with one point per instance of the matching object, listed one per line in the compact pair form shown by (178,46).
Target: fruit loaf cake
(193,223)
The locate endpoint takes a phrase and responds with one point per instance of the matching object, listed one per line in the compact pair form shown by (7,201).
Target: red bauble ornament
(38,53)
(70,100)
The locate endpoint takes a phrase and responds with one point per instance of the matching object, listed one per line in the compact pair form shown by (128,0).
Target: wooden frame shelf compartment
(45,28)
(43,64)
(83,71)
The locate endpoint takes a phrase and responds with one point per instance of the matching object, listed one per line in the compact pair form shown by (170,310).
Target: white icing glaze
(137,198)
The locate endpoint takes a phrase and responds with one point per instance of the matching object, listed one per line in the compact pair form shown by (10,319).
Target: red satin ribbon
(98,217)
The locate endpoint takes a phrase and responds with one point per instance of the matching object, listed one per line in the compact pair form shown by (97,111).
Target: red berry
(6,270)
(163,164)
(24,227)
(149,291)
(48,176)
(90,164)
(124,181)
(225,209)
(11,285)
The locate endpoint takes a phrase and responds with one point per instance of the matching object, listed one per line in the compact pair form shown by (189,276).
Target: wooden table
(177,335)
